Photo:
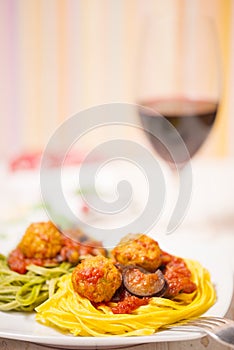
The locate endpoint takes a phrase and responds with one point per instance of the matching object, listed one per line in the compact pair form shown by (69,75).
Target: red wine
(189,120)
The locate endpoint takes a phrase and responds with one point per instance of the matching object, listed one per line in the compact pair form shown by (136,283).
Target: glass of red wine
(179,80)
(179,90)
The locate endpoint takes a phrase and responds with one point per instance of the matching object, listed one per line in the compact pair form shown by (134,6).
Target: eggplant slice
(143,283)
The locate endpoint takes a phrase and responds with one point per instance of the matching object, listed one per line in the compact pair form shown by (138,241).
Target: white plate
(23,327)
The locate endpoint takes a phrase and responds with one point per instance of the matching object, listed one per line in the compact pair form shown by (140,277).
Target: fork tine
(198,323)
(217,319)
(208,322)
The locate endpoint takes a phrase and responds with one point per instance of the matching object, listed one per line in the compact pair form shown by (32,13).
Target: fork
(219,328)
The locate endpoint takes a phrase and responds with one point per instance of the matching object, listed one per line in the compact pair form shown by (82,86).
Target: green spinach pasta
(23,292)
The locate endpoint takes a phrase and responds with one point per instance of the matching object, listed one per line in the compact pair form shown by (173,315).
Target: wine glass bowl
(192,119)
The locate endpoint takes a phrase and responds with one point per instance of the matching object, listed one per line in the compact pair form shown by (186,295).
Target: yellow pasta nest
(72,313)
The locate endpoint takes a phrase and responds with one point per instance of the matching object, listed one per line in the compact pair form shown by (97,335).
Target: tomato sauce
(177,275)
(91,274)
(129,303)
(18,262)
(71,251)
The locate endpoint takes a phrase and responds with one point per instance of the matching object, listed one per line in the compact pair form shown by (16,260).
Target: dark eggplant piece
(143,283)
(119,294)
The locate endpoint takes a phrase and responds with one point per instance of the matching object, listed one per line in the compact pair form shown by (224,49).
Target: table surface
(219,226)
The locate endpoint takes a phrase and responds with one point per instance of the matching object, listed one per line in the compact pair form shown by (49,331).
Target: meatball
(138,249)
(41,241)
(96,278)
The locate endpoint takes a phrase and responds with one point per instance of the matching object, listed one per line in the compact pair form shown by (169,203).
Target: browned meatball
(96,278)
(41,240)
(138,249)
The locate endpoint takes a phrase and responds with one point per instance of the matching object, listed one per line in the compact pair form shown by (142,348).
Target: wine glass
(179,86)
(180,80)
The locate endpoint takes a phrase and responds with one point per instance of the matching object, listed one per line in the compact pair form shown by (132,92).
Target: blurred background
(61,56)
